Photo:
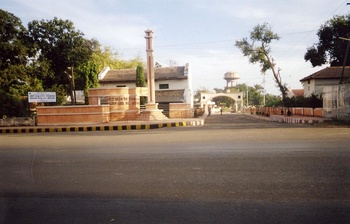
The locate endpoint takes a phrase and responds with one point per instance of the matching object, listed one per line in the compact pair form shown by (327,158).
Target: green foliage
(59,46)
(313,101)
(140,76)
(224,101)
(263,36)
(330,49)
(272,100)
(87,76)
(16,77)
(13,46)
(141,82)
(255,93)
(37,59)
(105,56)
(257,49)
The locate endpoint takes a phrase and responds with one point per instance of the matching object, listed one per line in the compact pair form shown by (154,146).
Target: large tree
(330,48)
(62,48)
(15,75)
(257,49)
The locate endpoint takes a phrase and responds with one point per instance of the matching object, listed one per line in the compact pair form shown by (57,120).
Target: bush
(313,101)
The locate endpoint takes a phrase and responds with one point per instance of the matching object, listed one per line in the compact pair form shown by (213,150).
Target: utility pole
(247,97)
(345,57)
(72,82)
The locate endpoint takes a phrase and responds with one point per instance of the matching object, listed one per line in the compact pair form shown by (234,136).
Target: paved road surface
(235,169)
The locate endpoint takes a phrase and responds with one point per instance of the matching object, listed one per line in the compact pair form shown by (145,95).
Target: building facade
(172,84)
(330,76)
(334,85)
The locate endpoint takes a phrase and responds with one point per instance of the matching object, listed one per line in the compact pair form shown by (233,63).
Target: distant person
(209,111)
(221,111)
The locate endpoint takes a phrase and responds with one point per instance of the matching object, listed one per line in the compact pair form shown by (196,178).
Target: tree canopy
(330,48)
(257,49)
(60,46)
(15,80)
(49,55)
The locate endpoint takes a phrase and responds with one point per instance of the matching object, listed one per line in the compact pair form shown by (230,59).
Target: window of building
(121,85)
(308,81)
(163,86)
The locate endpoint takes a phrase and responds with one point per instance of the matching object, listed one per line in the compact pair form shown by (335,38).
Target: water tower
(230,77)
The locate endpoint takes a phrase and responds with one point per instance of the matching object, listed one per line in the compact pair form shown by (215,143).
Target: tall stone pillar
(150,67)
(152,112)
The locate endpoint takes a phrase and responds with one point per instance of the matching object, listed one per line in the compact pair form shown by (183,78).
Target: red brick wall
(73,114)
(180,110)
(302,111)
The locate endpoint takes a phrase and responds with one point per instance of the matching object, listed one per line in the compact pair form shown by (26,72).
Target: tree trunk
(277,78)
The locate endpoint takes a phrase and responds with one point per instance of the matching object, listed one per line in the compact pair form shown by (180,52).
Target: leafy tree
(272,100)
(59,46)
(140,81)
(87,76)
(140,76)
(255,97)
(15,74)
(14,50)
(258,50)
(330,49)
(105,56)
(313,101)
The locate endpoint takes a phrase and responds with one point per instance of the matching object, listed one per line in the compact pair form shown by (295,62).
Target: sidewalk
(112,126)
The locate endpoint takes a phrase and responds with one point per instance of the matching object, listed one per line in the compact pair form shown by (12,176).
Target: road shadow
(77,208)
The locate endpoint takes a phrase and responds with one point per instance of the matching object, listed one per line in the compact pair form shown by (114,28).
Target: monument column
(150,67)
(152,112)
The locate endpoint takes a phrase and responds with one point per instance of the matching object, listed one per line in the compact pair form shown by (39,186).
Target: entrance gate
(237,97)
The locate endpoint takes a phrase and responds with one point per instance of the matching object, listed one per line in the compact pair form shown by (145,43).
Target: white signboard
(41,97)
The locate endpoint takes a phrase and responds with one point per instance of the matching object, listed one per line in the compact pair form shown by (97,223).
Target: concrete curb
(290,119)
(297,119)
(102,127)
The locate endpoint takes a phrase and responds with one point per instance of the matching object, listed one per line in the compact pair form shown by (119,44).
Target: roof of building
(329,73)
(298,92)
(129,75)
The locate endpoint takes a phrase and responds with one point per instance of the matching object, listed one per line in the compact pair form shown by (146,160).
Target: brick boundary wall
(295,111)
(180,110)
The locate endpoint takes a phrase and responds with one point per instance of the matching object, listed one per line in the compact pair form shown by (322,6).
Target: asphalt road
(235,169)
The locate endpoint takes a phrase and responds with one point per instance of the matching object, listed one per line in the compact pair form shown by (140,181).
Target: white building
(326,77)
(336,96)
(173,84)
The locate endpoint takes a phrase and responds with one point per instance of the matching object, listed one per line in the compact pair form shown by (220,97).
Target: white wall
(309,88)
(179,84)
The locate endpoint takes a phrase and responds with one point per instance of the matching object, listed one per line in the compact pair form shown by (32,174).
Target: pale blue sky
(199,32)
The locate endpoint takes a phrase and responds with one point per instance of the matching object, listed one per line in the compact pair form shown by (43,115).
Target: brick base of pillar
(152,113)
